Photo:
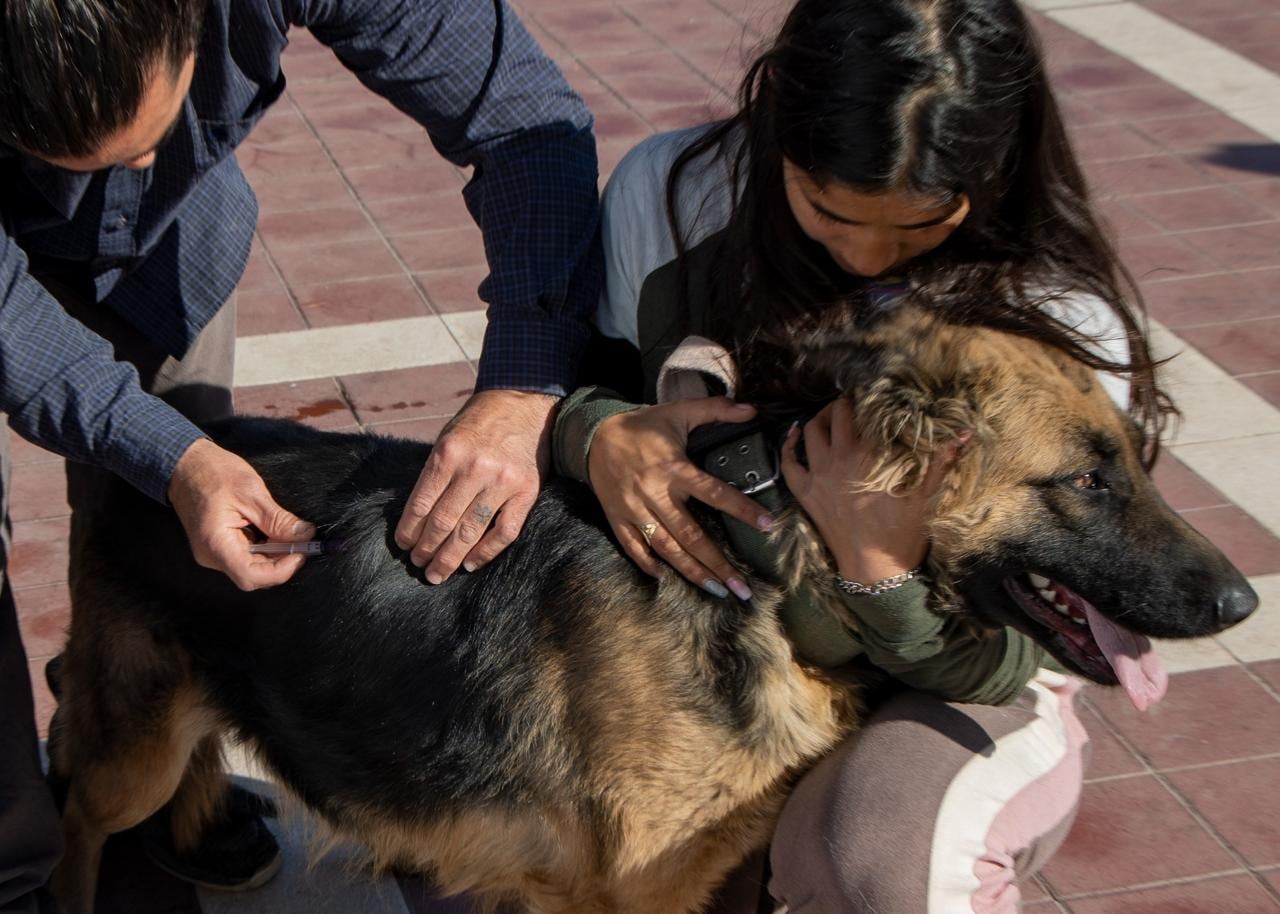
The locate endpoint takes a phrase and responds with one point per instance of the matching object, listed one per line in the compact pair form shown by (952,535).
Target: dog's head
(1047,520)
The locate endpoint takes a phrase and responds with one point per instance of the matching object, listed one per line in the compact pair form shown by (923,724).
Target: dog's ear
(913,417)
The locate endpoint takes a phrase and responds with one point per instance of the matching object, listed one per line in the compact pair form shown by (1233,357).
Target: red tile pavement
(267,310)
(1238,894)
(413,393)
(1198,300)
(1240,802)
(1193,196)
(44,491)
(1108,756)
(1248,544)
(1269,672)
(39,553)
(1247,347)
(320,403)
(1182,488)
(358,301)
(1216,715)
(1266,386)
(1129,832)
(44,614)
(1251,29)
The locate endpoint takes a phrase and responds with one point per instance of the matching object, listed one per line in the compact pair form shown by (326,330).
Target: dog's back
(500,729)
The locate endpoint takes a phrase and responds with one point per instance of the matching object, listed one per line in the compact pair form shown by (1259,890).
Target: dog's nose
(1235,604)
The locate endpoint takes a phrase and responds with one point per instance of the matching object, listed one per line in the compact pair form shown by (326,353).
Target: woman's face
(869,234)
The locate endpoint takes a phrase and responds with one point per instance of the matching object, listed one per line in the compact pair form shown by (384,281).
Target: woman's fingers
(793,472)
(682,542)
(723,497)
(636,547)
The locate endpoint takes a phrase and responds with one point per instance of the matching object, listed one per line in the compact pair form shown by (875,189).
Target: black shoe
(236,854)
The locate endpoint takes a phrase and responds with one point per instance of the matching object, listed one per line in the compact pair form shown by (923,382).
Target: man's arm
(62,388)
(469,72)
(490,99)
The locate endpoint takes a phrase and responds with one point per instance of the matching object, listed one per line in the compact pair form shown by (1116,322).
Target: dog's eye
(1090,480)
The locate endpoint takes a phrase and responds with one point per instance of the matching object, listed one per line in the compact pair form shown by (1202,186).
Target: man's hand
(483,476)
(218,496)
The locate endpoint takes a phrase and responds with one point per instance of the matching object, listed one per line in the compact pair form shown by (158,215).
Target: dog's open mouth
(1100,648)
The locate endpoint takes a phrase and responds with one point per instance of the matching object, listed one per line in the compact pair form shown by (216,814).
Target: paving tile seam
(1174,792)
(599,77)
(1179,769)
(1235,323)
(1166,883)
(418,288)
(1249,671)
(279,274)
(725,95)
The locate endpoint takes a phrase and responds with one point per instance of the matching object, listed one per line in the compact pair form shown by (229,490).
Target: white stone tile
(1181,57)
(1214,405)
(324,352)
(1264,118)
(1194,654)
(468,328)
(1258,637)
(1244,469)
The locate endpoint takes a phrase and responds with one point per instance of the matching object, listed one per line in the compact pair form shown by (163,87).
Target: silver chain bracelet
(878,587)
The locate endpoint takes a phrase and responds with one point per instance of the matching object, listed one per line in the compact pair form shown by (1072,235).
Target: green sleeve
(938,652)
(577,421)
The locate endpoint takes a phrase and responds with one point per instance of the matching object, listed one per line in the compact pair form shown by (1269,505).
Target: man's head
(87,84)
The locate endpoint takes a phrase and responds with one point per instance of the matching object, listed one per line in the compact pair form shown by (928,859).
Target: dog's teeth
(1049,596)
(1039,583)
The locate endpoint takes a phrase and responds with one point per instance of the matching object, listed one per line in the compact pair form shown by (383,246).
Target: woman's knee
(933,807)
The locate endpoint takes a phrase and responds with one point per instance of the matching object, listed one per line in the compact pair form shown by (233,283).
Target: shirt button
(122,220)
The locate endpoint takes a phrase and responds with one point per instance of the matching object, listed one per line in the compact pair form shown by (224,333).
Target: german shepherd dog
(557,729)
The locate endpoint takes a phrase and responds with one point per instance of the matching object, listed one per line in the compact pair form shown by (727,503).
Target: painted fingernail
(740,588)
(469,567)
(434,577)
(765,522)
(715,588)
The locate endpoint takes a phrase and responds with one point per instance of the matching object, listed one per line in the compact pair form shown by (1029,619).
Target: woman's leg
(934,808)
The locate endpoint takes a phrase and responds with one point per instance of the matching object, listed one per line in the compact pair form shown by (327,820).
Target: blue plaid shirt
(165,247)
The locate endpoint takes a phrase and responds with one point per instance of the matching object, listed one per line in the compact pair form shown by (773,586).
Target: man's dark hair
(73,72)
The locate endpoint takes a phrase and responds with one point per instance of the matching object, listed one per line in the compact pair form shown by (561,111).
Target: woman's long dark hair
(930,98)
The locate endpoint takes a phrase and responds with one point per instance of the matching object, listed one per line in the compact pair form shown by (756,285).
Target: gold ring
(647,531)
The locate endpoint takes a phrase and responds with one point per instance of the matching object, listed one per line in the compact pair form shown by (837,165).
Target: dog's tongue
(1137,667)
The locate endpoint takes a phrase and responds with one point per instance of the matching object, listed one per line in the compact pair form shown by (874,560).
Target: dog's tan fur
(669,802)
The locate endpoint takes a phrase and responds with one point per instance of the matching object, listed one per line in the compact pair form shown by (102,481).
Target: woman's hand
(871,535)
(641,474)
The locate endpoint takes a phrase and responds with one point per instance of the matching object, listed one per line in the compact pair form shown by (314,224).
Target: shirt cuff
(539,355)
(147,439)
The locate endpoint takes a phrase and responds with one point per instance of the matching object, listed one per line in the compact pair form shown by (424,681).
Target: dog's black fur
(615,743)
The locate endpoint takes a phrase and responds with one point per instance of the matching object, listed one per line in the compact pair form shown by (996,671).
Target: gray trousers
(198,385)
